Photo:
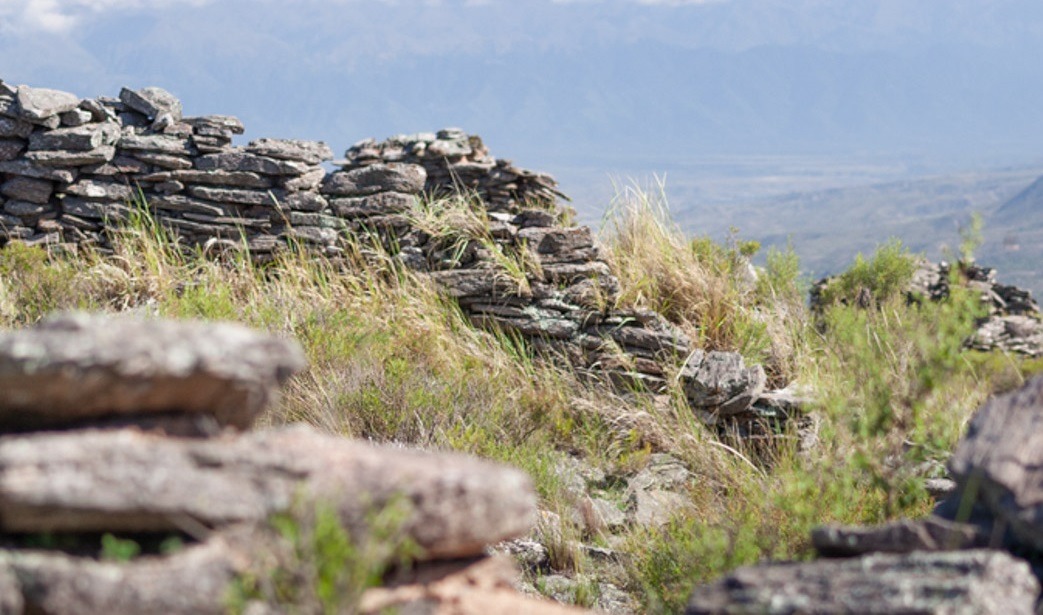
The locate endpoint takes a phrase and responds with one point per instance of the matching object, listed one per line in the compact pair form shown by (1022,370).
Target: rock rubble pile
(73,170)
(131,426)
(1013,322)
(978,553)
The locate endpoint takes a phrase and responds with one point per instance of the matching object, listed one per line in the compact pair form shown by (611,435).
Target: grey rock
(159,144)
(530,554)
(557,240)
(195,580)
(659,491)
(76,117)
(79,207)
(125,480)
(245,161)
(72,158)
(970,582)
(152,102)
(380,204)
(215,125)
(39,104)
(11,127)
(27,189)
(999,462)
(469,282)
(119,165)
(720,382)
(303,201)
(26,209)
(406,178)
(11,600)
(928,534)
(232,179)
(26,168)
(165,161)
(310,152)
(96,189)
(76,367)
(78,139)
(11,148)
(1014,333)
(607,514)
(306,182)
(234,195)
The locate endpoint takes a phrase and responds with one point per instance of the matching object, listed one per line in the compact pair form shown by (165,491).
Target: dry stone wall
(71,169)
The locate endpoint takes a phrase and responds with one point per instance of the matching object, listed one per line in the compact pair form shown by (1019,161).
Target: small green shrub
(118,549)
(323,567)
(873,281)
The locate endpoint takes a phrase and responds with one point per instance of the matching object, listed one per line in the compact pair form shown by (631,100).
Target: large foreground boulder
(73,368)
(999,463)
(952,582)
(129,481)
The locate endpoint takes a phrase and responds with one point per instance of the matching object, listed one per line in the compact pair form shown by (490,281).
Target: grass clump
(711,291)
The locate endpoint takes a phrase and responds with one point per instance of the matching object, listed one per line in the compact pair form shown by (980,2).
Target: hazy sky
(570,83)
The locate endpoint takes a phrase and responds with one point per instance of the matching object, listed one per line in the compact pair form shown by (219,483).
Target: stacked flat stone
(45,137)
(456,161)
(75,168)
(124,424)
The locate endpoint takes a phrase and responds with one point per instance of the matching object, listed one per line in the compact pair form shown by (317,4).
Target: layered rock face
(72,170)
(978,553)
(132,426)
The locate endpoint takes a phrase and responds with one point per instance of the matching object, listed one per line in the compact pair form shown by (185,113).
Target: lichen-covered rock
(720,383)
(73,368)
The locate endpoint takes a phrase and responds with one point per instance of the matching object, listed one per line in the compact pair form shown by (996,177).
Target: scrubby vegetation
(394,361)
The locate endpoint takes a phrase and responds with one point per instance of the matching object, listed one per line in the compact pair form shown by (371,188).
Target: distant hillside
(828,227)
(1026,206)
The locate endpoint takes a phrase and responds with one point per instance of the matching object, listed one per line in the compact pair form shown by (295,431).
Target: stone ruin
(979,552)
(1013,321)
(141,428)
(72,169)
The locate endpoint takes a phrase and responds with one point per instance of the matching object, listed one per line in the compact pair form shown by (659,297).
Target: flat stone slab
(928,534)
(129,481)
(310,152)
(391,177)
(999,463)
(971,582)
(152,102)
(75,367)
(38,104)
(196,580)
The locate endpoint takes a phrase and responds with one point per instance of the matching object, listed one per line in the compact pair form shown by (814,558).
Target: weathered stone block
(76,367)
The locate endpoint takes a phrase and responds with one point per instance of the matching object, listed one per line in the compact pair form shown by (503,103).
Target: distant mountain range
(553,83)
(828,227)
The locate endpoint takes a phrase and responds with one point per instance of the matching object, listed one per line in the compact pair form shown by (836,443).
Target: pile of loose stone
(458,162)
(73,169)
(134,426)
(980,552)
(1014,322)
